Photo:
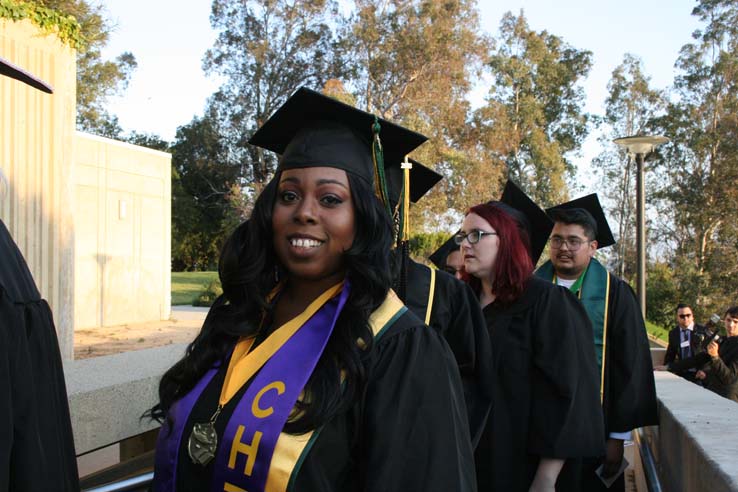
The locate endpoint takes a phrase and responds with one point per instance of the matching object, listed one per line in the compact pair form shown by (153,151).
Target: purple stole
(245,450)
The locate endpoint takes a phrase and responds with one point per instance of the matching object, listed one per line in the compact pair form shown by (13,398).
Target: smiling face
(479,258)
(313,223)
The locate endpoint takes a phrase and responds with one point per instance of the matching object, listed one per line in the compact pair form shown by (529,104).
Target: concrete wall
(695,444)
(123,233)
(36,154)
(108,395)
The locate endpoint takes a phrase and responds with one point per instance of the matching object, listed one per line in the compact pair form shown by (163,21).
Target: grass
(186,286)
(657,331)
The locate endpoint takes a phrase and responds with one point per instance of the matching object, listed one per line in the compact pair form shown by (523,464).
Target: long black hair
(248,268)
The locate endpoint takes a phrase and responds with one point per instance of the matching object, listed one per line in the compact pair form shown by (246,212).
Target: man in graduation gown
(627,387)
(446,304)
(36,444)
(448,258)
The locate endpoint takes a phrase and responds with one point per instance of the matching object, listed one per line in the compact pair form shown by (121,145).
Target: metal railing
(131,484)
(649,463)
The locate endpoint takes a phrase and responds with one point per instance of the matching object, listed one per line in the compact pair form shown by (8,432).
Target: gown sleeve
(566,418)
(630,389)
(415,432)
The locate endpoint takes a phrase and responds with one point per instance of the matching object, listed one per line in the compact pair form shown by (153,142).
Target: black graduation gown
(456,314)
(36,443)
(413,431)
(629,391)
(546,399)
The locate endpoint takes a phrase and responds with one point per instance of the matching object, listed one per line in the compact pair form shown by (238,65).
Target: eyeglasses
(473,237)
(573,243)
(684,316)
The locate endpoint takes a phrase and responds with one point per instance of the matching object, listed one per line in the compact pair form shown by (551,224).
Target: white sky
(169,39)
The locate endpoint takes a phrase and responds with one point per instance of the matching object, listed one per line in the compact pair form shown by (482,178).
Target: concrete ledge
(108,395)
(695,444)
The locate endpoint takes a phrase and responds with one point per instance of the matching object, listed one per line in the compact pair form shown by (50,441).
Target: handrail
(135,483)
(649,463)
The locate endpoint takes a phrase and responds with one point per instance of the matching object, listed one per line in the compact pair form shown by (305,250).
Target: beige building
(91,215)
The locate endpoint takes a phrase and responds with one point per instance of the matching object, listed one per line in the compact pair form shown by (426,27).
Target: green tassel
(378,158)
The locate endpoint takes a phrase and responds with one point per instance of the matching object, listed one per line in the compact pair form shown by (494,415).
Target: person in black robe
(383,408)
(36,443)
(447,305)
(545,406)
(628,391)
(448,258)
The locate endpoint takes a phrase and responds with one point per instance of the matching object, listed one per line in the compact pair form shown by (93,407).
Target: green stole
(593,290)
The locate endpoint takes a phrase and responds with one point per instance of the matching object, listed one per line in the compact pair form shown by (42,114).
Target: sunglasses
(685,316)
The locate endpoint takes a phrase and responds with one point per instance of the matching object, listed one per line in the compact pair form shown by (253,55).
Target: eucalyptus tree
(630,109)
(536,104)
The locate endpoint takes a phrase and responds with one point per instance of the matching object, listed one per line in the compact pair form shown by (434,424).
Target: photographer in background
(719,364)
(685,341)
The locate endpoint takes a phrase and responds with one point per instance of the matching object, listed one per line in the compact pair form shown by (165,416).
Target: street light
(641,146)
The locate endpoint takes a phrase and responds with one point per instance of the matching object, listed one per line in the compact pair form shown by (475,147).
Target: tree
(536,103)
(205,189)
(701,164)
(630,109)
(414,61)
(266,49)
(97,79)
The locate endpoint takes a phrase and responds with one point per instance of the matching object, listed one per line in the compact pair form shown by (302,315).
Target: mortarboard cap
(530,216)
(313,130)
(440,255)
(422,179)
(17,73)
(591,205)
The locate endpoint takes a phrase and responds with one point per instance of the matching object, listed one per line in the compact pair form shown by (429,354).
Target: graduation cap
(440,255)
(529,215)
(591,205)
(314,130)
(17,73)
(422,179)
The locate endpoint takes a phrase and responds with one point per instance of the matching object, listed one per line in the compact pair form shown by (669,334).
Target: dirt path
(182,328)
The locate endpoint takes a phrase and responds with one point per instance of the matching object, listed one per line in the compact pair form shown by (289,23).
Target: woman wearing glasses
(546,405)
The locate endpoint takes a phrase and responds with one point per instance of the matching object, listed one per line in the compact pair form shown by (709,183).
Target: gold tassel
(405,233)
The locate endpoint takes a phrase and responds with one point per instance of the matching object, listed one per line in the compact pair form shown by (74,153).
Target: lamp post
(641,146)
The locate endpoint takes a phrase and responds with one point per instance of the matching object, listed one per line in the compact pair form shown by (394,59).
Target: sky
(169,38)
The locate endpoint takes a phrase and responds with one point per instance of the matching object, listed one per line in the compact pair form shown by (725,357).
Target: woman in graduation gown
(309,374)
(545,405)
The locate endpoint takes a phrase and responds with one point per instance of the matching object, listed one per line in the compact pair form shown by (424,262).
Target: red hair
(513,266)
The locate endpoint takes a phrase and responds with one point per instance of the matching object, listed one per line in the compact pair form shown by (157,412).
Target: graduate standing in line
(627,388)
(309,374)
(442,301)
(545,406)
(36,441)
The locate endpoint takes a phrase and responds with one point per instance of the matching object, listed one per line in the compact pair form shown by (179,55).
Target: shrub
(212,291)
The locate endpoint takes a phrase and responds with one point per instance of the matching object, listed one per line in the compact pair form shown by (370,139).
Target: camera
(711,333)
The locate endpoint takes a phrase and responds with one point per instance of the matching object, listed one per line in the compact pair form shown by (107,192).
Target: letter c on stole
(265,412)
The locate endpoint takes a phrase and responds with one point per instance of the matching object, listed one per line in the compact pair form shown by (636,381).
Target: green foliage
(661,294)
(186,286)
(207,197)
(266,49)
(97,79)
(699,169)
(212,291)
(423,244)
(50,21)
(536,103)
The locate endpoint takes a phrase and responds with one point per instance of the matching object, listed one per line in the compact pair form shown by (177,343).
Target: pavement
(182,327)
